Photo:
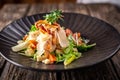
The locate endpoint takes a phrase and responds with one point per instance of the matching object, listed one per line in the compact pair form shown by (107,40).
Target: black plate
(103,34)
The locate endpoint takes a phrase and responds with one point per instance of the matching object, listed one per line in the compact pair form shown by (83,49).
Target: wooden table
(107,70)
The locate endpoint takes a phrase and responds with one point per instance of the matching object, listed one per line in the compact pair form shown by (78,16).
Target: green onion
(69,60)
(85,47)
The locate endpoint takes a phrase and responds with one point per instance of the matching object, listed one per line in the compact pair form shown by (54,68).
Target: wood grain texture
(108,70)
(109,14)
(9,13)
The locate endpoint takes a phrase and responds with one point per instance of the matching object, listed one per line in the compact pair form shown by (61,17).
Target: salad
(48,42)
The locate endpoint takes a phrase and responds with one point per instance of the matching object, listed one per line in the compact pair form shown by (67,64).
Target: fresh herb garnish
(53,16)
(33,28)
(70,53)
(85,47)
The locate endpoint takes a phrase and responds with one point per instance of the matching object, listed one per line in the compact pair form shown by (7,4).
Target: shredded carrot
(33,44)
(48,46)
(56,25)
(68,32)
(33,41)
(78,35)
(42,29)
(42,23)
(52,58)
(38,23)
(46,53)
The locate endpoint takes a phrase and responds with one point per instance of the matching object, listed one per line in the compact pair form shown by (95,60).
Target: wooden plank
(102,71)
(114,19)
(2,64)
(111,16)
(116,62)
(41,8)
(9,13)
(73,8)
(94,10)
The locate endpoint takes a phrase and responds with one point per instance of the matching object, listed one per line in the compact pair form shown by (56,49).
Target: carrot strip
(52,58)
(33,44)
(68,32)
